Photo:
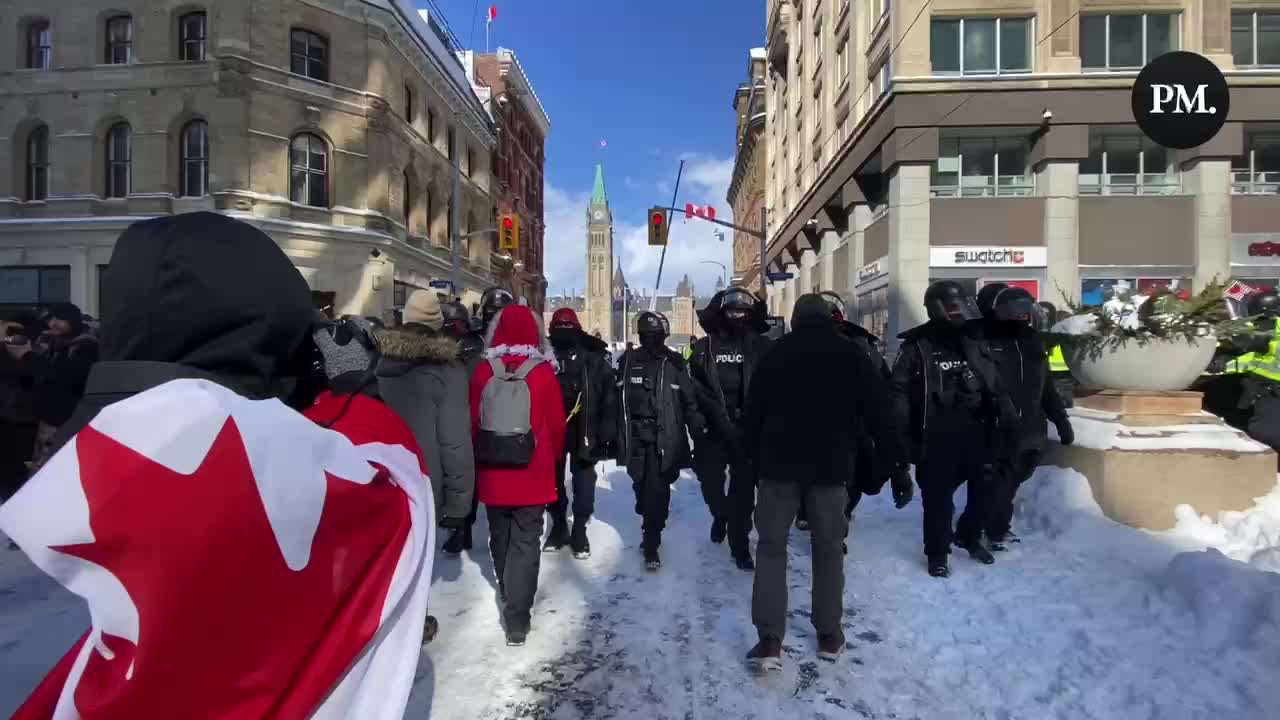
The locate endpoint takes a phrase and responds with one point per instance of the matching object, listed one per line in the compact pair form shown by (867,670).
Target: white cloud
(705,182)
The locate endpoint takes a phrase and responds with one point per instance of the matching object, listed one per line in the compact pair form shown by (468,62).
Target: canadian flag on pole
(238,560)
(493,13)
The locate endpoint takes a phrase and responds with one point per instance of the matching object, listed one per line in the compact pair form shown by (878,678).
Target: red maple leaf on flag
(225,628)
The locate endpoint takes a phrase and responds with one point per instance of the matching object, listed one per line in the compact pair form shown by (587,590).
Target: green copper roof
(597,190)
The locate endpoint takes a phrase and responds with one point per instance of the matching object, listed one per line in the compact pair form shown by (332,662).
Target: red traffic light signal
(657,219)
(657,226)
(506,223)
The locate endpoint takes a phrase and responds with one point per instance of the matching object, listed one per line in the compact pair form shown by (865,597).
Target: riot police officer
(659,411)
(491,301)
(721,368)
(457,326)
(946,410)
(1261,387)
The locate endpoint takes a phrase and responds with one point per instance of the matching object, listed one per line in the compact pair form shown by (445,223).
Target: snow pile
(1103,431)
(1227,573)
(1251,536)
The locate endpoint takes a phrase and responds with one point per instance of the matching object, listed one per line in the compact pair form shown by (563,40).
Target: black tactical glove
(903,488)
(1066,435)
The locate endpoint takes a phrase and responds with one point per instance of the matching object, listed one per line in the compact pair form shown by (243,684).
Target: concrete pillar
(859,219)
(827,261)
(1059,182)
(808,271)
(81,268)
(908,247)
(792,293)
(1208,181)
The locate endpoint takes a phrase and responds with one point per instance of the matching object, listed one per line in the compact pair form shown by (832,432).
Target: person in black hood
(456,325)
(944,404)
(58,368)
(721,367)
(1023,375)
(659,411)
(586,386)
(169,312)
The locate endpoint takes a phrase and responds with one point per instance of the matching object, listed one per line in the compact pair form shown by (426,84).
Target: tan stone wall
(253,107)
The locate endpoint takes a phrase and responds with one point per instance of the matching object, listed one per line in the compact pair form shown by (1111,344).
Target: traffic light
(509,231)
(657,226)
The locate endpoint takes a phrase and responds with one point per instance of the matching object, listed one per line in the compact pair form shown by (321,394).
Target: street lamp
(724,271)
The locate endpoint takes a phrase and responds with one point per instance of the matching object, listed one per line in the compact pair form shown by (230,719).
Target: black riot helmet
(737,304)
(652,328)
(987,299)
(834,303)
(1265,303)
(457,321)
(946,301)
(1014,305)
(493,300)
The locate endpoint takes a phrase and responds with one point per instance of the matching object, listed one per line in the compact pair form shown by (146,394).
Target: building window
(842,61)
(35,285)
(406,198)
(1127,164)
(192,34)
(309,55)
(1255,38)
(309,171)
(981,167)
(431,125)
(449,138)
(195,159)
(39,45)
(408,105)
(119,40)
(471,162)
(1258,172)
(119,160)
(38,164)
(980,46)
(430,209)
(1117,41)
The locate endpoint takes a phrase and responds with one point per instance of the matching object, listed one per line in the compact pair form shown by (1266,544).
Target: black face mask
(563,336)
(652,341)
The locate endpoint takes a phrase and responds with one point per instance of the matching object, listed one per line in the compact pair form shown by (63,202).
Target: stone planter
(1160,365)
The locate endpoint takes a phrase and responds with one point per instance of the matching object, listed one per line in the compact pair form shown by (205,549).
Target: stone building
(994,140)
(600,296)
(333,125)
(746,189)
(518,163)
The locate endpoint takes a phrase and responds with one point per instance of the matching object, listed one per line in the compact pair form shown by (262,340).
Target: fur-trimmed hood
(402,350)
(517,331)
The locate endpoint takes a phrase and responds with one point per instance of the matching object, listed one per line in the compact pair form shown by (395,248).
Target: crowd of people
(780,433)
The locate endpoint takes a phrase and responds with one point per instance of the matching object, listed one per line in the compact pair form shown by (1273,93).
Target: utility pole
(675,195)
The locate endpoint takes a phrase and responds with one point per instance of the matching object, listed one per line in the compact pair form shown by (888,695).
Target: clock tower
(600,262)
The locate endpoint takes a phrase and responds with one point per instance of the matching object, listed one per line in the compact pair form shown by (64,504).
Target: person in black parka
(586,387)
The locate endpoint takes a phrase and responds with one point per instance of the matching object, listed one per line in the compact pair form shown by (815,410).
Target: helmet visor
(961,309)
(1017,310)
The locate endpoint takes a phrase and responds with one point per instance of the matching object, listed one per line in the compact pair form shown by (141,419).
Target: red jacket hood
(565,316)
(515,332)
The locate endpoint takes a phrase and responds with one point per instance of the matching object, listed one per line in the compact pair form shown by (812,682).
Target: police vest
(1057,363)
(1266,365)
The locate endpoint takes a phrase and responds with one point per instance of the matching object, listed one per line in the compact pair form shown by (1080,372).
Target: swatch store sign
(988,257)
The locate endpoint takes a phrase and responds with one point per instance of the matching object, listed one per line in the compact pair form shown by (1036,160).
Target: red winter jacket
(363,420)
(515,337)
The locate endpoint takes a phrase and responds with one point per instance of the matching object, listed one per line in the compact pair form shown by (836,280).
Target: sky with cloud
(653,79)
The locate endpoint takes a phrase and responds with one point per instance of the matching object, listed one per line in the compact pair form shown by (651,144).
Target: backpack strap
(526,367)
(499,369)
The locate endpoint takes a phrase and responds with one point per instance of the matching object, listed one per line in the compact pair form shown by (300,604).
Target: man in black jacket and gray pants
(812,396)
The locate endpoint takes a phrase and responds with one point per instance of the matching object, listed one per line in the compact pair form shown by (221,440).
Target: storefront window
(1095,292)
(35,285)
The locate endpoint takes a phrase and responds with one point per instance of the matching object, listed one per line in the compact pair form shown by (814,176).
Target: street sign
(780,276)
(440,284)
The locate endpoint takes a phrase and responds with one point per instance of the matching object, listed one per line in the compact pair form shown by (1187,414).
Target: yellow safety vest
(1057,363)
(688,352)
(1267,365)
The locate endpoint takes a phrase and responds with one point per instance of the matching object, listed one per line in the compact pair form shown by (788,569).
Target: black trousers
(951,460)
(1007,475)
(17,441)
(584,490)
(855,495)
(1264,423)
(710,460)
(515,541)
(652,487)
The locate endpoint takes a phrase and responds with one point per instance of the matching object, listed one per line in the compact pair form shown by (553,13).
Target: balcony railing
(1129,184)
(985,186)
(1244,182)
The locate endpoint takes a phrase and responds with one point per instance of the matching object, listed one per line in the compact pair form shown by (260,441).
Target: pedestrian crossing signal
(509,232)
(657,226)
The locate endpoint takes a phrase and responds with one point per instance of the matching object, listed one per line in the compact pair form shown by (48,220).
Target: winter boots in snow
(977,551)
(744,561)
(516,638)
(766,656)
(430,628)
(578,540)
(649,546)
(830,646)
(459,541)
(559,535)
(938,567)
(1001,543)
(719,529)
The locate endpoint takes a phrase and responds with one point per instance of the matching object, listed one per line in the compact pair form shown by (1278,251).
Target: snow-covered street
(1084,619)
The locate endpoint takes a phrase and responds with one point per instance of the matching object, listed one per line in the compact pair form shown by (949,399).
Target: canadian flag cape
(238,560)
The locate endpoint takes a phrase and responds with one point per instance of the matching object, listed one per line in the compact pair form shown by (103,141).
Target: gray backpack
(505,437)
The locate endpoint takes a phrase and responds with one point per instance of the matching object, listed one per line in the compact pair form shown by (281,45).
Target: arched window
(195,159)
(119,40)
(309,55)
(192,35)
(39,45)
(406,199)
(309,171)
(38,164)
(119,160)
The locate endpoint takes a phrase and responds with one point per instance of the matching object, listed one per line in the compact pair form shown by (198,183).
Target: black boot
(719,528)
(1001,543)
(977,551)
(578,541)
(938,567)
(559,535)
(649,546)
(459,541)
(743,560)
